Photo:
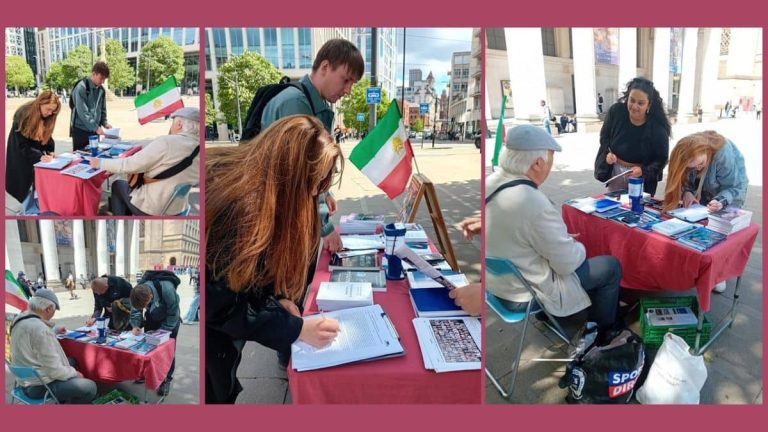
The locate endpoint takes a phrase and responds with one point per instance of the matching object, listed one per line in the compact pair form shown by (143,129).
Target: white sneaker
(719,288)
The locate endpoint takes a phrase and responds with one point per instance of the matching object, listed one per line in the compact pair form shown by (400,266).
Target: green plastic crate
(653,336)
(117,397)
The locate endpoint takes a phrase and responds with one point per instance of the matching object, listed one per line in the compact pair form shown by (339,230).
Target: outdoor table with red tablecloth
(67,195)
(651,261)
(108,364)
(401,380)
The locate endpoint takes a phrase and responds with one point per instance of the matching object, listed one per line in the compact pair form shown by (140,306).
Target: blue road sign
(423,108)
(360,117)
(373,95)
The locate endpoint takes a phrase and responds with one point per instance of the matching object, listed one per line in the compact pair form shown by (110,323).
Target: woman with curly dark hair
(634,138)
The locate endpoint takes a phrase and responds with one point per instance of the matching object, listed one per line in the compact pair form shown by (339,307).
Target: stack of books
(694,213)
(376,278)
(729,220)
(157,337)
(701,239)
(674,227)
(429,297)
(334,296)
(359,223)
(365,259)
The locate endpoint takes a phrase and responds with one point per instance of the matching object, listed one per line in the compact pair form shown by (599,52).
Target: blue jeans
(29,205)
(191,315)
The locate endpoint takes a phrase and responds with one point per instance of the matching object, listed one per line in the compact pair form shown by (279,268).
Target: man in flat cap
(34,344)
(524,226)
(157,169)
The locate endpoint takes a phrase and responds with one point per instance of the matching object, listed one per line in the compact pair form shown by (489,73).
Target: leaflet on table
(449,344)
(366,334)
(353,242)
(143,348)
(59,162)
(674,227)
(694,213)
(112,136)
(87,329)
(82,171)
(587,205)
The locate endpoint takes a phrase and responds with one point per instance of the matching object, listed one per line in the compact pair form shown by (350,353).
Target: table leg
(726,323)
(699,328)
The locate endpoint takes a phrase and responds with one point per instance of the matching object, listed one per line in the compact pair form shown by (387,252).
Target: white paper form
(366,333)
(449,344)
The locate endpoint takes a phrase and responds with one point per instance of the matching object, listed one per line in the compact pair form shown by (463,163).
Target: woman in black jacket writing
(30,142)
(634,138)
(262,232)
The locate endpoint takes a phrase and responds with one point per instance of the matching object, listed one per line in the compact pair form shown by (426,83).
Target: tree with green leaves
(54,78)
(77,66)
(18,74)
(121,74)
(417,125)
(211,115)
(250,72)
(158,60)
(355,103)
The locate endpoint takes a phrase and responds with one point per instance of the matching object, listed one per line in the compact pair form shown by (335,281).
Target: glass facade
(270,45)
(236,41)
(288,50)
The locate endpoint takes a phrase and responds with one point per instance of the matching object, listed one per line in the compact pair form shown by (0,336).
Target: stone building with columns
(568,67)
(97,247)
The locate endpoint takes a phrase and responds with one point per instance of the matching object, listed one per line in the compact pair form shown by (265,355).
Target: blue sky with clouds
(430,49)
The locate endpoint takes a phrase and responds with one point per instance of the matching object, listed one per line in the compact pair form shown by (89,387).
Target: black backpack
(87,92)
(156,276)
(261,99)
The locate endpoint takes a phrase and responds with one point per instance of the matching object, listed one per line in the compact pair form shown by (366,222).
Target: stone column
(50,253)
(584,79)
(102,254)
(685,105)
(627,55)
(14,255)
(120,249)
(525,60)
(660,76)
(134,251)
(78,234)
(708,94)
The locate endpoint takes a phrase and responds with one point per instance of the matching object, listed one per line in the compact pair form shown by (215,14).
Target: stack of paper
(587,205)
(694,213)
(127,343)
(356,242)
(429,296)
(376,278)
(366,334)
(112,136)
(157,337)
(729,220)
(673,227)
(59,162)
(449,344)
(344,295)
(415,233)
(359,223)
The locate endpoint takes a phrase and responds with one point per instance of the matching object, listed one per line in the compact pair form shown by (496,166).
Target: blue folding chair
(27,373)
(179,192)
(501,267)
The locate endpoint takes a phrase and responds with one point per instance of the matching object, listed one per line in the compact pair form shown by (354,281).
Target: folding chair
(501,267)
(179,192)
(28,373)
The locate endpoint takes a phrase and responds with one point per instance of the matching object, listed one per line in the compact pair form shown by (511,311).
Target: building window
(254,43)
(270,45)
(189,36)
(494,38)
(236,41)
(23,235)
(289,52)
(220,46)
(548,41)
(178,36)
(725,41)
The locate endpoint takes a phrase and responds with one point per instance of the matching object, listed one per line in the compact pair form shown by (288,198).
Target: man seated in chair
(157,169)
(34,344)
(523,225)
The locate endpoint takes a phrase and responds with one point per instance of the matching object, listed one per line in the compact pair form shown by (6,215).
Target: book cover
(701,239)
(671,227)
(143,348)
(434,302)
(82,171)
(369,261)
(694,213)
(612,213)
(377,279)
(59,162)
(730,215)
(671,316)
(633,219)
(606,204)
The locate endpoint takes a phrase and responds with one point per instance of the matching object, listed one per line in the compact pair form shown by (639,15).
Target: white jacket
(33,343)
(154,158)
(524,226)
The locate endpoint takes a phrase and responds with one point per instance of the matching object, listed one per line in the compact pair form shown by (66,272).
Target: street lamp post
(237,101)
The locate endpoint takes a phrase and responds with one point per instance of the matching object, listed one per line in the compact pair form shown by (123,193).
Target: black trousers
(80,139)
(152,325)
(121,200)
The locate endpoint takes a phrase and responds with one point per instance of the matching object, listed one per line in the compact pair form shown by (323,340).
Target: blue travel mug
(395,236)
(636,194)
(101,327)
(93,145)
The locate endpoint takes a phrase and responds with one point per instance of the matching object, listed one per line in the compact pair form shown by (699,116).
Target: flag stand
(421,187)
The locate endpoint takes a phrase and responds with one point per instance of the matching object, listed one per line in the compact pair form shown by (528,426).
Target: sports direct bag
(676,376)
(605,374)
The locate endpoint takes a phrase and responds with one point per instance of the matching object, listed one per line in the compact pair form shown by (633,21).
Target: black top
(646,145)
(232,319)
(22,154)
(117,288)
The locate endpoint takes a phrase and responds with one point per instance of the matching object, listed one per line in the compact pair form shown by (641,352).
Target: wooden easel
(421,187)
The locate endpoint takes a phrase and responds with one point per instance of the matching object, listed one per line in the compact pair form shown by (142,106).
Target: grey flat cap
(530,137)
(187,113)
(48,295)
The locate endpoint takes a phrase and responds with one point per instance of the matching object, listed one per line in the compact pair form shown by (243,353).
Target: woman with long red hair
(30,142)
(262,231)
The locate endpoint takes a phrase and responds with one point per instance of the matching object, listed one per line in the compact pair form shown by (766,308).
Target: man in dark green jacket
(89,115)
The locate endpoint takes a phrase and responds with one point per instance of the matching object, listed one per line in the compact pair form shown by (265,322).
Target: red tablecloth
(651,261)
(68,195)
(71,196)
(107,364)
(401,380)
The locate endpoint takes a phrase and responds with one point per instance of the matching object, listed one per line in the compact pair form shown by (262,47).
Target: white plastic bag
(676,376)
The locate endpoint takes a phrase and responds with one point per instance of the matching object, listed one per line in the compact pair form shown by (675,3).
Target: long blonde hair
(262,223)
(32,124)
(688,148)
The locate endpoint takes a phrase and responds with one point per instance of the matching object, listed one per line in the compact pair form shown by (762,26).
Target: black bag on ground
(261,99)
(605,374)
